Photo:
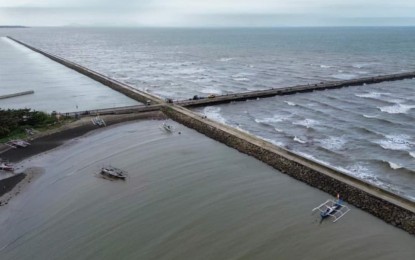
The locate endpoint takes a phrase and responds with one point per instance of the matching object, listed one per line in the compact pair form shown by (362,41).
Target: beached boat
(17,143)
(113,172)
(6,167)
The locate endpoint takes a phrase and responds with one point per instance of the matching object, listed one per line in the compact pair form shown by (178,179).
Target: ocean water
(180,63)
(365,131)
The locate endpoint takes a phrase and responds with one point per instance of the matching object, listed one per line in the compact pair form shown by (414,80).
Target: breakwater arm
(17,94)
(107,81)
(220,99)
(381,203)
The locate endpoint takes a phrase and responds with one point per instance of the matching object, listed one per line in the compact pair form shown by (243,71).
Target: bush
(17,120)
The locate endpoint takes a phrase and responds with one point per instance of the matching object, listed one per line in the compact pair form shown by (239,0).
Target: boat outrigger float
(332,208)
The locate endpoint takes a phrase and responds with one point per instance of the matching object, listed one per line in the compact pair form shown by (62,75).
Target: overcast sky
(195,13)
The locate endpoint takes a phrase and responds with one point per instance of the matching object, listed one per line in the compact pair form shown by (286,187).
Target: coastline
(51,139)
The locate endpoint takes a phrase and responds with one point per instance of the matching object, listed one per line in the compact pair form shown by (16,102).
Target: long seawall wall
(385,205)
(17,94)
(295,89)
(112,83)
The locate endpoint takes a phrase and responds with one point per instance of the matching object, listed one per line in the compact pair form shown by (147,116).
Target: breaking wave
(374,95)
(333,143)
(396,142)
(290,103)
(214,114)
(297,139)
(396,109)
(307,122)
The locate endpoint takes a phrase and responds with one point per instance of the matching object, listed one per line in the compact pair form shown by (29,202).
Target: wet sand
(186,197)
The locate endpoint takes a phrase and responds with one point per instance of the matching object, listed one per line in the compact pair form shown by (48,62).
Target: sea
(222,205)
(365,131)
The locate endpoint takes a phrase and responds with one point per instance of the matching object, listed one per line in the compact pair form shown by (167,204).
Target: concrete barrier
(107,81)
(293,90)
(383,204)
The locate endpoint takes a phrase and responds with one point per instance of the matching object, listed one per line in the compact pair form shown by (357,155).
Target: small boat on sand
(6,167)
(113,172)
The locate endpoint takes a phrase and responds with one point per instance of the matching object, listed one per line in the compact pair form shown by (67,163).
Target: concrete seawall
(17,94)
(385,205)
(294,89)
(112,83)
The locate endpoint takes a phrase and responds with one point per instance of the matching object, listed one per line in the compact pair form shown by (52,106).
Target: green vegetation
(17,122)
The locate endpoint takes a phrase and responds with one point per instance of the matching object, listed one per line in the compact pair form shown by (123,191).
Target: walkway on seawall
(220,99)
(381,203)
(107,81)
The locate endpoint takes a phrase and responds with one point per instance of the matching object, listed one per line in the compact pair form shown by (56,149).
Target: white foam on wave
(297,139)
(372,94)
(344,76)
(394,166)
(270,120)
(369,116)
(412,154)
(396,142)
(225,59)
(278,130)
(333,142)
(290,103)
(280,144)
(307,122)
(214,114)
(396,109)
(241,79)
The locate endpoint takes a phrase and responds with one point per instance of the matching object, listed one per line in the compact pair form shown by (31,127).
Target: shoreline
(48,140)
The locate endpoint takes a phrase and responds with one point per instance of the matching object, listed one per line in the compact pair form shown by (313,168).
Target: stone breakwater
(107,81)
(387,206)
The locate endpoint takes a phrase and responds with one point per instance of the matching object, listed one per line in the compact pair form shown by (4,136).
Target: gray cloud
(207,13)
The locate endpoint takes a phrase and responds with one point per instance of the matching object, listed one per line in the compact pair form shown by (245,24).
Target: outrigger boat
(167,127)
(331,208)
(113,172)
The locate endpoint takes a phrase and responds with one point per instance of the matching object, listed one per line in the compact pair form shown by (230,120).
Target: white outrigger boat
(113,172)
(331,208)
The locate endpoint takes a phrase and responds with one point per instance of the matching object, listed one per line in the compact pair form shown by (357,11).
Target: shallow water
(186,197)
